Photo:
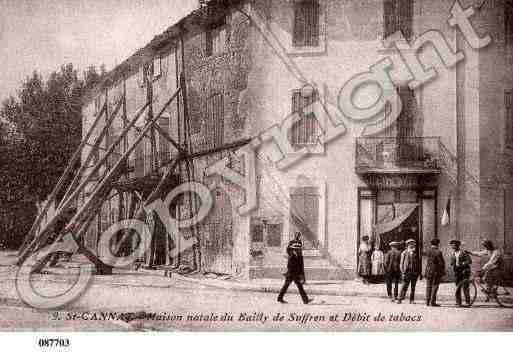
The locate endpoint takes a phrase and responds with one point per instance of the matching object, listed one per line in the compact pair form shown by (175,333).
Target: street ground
(189,306)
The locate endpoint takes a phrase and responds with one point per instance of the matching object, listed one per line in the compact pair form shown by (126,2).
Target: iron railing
(382,153)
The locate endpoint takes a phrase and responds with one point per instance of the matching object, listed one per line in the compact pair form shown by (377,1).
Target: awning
(391,225)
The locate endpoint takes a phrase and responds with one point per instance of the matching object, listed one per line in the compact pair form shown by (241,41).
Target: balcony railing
(398,154)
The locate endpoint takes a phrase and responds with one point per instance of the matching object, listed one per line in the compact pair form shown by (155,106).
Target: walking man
(435,270)
(461,264)
(295,272)
(410,270)
(393,270)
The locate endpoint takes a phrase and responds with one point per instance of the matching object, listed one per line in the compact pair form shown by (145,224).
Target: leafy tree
(46,118)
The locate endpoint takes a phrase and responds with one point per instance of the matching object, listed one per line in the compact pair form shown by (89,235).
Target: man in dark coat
(393,269)
(461,264)
(295,272)
(435,270)
(410,270)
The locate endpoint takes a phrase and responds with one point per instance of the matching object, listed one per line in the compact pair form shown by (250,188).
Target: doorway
(396,214)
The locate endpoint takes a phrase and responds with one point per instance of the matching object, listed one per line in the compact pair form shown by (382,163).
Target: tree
(46,118)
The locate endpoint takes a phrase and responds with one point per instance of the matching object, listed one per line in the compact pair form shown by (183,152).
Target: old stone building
(249,65)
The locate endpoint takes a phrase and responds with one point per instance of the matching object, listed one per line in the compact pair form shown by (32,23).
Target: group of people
(404,266)
(371,262)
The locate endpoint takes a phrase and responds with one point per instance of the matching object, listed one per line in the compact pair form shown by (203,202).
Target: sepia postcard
(256,165)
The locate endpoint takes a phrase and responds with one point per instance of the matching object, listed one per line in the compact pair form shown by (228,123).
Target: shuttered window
(274,232)
(508,99)
(304,202)
(164,152)
(508,220)
(406,119)
(215,120)
(398,16)
(305,131)
(216,39)
(257,231)
(306,23)
(508,24)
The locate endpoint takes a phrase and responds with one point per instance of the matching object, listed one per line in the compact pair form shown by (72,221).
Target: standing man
(461,264)
(435,270)
(295,272)
(393,269)
(410,270)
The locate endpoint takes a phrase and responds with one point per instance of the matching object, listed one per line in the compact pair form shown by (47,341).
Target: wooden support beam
(97,142)
(106,183)
(66,204)
(229,146)
(169,138)
(157,193)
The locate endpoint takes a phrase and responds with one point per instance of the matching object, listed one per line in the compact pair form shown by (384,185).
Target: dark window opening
(306,24)
(306,130)
(398,16)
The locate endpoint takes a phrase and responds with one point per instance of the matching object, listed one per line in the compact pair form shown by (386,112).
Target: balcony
(415,155)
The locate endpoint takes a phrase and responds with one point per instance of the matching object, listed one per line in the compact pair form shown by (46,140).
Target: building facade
(248,66)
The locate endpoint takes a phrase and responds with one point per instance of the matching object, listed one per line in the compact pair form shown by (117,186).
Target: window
(216,39)
(508,220)
(157,67)
(274,232)
(306,24)
(164,152)
(306,130)
(406,119)
(398,16)
(97,105)
(508,99)
(151,71)
(508,24)
(215,120)
(304,208)
(257,231)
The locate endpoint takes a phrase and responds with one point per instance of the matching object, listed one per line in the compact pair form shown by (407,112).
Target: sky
(42,35)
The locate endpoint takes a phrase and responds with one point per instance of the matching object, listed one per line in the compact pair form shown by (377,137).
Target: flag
(446,216)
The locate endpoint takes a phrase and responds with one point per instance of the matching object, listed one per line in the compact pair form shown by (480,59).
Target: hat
(488,244)
(435,242)
(394,243)
(410,241)
(296,245)
(455,242)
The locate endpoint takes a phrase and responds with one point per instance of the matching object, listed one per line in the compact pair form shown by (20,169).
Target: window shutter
(305,131)
(405,8)
(313,23)
(508,23)
(405,122)
(389,18)
(299,25)
(157,66)
(305,204)
(215,127)
(508,99)
(164,152)
(142,81)
(306,30)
